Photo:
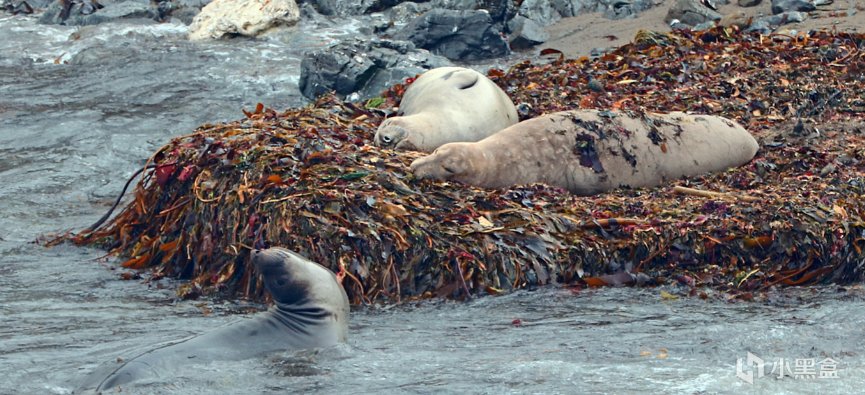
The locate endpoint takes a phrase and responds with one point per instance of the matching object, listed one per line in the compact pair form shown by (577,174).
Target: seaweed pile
(309,179)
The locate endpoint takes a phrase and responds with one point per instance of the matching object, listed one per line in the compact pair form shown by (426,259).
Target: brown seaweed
(309,179)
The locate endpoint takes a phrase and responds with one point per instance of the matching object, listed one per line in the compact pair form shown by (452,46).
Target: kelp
(309,179)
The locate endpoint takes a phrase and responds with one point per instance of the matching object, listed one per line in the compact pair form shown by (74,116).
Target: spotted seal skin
(444,105)
(590,151)
(310,310)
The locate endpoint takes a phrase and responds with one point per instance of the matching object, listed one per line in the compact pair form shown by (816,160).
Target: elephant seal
(444,105)
(310,310)
(590,151)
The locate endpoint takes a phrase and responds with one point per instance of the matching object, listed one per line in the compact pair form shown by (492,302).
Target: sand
(578,35)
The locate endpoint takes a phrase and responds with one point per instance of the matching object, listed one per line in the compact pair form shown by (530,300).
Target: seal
(310,310)
(589,151)
(444,105)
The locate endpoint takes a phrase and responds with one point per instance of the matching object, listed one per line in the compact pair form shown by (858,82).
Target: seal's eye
(385,139)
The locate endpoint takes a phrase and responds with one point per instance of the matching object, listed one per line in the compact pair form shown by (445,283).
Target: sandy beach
(577,36)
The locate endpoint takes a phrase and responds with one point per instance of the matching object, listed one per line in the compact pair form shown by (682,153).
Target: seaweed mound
(309,179)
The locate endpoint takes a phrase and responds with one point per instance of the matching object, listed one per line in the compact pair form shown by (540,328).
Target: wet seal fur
(310,310)
(444,105)
(590,151)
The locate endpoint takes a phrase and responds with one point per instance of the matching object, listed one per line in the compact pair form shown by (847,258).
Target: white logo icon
(751,360)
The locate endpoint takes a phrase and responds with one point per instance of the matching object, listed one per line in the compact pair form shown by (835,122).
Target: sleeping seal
(444,105)
(310,310)
(590,151)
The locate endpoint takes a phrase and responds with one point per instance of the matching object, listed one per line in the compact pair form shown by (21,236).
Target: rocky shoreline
(403,38)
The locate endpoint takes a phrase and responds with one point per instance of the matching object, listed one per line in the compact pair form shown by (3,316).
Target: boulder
(362,66)
(242,17)
(16,7)
(768,24)
(691,12)
(343,8)
(622,9)
(749,3)
(547,12)
(457,35)
(92,12)
(781,6)
(525,33)
(183,10)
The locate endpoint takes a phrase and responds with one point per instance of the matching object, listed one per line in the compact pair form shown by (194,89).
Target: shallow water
(71,133)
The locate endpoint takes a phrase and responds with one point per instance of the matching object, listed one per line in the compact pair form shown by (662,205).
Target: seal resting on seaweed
(590,151)
(310,310)
(444,105)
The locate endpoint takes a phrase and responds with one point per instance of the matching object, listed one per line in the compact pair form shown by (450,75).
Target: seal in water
(590,151)
(310,310)
(444,105)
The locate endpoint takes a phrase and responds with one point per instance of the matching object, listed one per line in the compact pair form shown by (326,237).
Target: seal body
(590,151)
(444,105)
(310,310)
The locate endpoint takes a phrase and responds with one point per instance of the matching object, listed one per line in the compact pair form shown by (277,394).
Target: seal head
(310,310)
(444,105)
(303,288)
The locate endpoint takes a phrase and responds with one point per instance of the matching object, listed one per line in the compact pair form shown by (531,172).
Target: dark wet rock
(94,12)
(781,6)
(500,10)
(676,24)
(547,12)
(91,12)
(400,15)
(621,9)
(16,7)
(363,66)
(352,7)
(182,10)
(691,12)
(456,35)
(749,3)
(703,26)
(525,33)
(768,24)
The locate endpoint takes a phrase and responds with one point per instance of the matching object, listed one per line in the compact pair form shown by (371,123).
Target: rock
(737,18)
(676,24)
(703,26)
(768,24)
(500,10)
(621,9)
(91,12)
(400,15)
(363,66)
(547,12)
(691,12)
(525,33)
(749,3)
(343,8)
(244,17)
(16,7)
(781,6)
(456,35)
(183,10)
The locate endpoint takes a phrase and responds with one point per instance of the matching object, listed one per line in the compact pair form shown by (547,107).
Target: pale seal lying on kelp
(444,105)
(591,151)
